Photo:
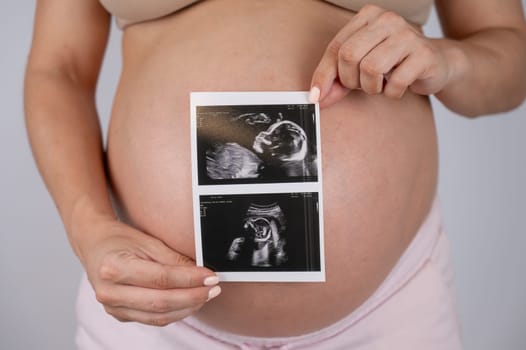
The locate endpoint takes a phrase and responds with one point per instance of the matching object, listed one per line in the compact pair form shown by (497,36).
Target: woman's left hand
(379,53)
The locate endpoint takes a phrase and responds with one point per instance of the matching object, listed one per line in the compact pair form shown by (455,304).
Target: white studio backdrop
(482,187)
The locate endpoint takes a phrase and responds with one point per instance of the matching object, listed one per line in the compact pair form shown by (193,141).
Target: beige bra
(133,11)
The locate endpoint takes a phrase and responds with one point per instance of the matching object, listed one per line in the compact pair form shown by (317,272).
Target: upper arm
(461,18)
(69,37)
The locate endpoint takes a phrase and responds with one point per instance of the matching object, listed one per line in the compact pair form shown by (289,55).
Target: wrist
(457,62)
(86,215)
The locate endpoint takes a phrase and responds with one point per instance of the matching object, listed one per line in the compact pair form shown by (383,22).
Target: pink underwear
(414,308)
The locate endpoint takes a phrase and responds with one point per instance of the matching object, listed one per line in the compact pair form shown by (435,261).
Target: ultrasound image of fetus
(261,146)
(261,243)
(284,149)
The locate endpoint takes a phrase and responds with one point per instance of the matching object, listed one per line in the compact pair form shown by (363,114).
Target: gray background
(482,174)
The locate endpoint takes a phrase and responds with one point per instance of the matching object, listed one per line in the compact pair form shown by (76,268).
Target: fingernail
(214,292)
(314,94)
(211,281)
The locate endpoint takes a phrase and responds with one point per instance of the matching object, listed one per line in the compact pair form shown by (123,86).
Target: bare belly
(379,155)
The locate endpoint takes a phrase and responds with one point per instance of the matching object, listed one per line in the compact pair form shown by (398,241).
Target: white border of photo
(243,99)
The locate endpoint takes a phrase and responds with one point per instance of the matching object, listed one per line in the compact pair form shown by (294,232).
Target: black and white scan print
(244,144)
(257,186)
(261,232)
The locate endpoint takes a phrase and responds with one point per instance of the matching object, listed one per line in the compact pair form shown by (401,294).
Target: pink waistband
(414,257)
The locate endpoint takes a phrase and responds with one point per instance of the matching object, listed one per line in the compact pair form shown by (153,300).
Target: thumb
(325,85)
(161,253)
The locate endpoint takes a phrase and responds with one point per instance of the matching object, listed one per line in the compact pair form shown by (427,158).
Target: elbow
(517,100)
(513,99)
(484,107)
(500,83)
(486,101)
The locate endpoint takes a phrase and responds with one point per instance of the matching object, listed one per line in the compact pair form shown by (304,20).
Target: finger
(381,61)
(154,300)
(131,270)
(430,78)
(335,94)
(327,70)
(403,76)
(149,318)
(353,53)
(323,78)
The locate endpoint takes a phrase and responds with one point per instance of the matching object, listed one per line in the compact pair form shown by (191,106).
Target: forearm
(488,72)
(65,137)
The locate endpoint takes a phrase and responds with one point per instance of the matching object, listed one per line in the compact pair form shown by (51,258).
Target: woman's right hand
(138,278)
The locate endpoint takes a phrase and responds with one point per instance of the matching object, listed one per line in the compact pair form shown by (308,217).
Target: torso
(379,155)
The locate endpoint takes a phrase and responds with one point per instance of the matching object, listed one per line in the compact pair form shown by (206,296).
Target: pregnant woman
(388,284)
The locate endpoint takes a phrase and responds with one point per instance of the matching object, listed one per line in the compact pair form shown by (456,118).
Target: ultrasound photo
(261,232)
(245,144)
(257,186)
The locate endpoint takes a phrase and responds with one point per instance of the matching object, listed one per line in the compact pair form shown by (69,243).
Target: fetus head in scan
(264,226)
(260,229)
(262,241)
(283,141)
(264,223)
